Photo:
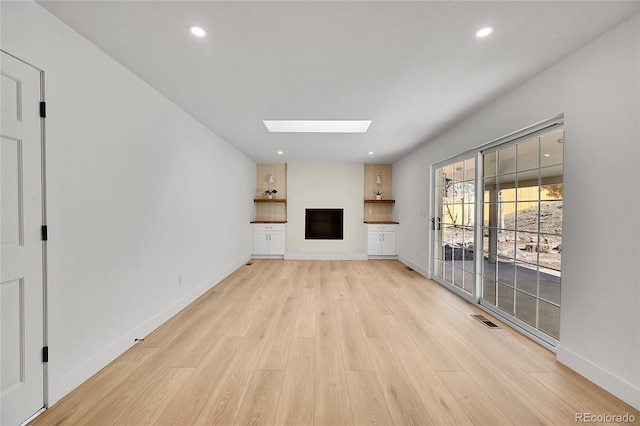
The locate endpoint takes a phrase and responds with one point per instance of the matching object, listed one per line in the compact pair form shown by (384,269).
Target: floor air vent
(485,321)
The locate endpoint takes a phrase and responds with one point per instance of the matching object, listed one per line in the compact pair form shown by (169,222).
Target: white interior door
(21,283)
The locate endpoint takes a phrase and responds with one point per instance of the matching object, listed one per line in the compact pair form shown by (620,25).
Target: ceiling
(415,68)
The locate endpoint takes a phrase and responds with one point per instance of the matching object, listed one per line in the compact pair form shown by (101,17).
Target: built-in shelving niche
(275,209)
(378,211)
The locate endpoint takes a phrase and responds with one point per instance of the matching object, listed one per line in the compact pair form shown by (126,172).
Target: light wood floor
(332,343)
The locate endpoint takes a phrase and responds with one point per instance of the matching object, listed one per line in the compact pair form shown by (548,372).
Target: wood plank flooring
(332,343)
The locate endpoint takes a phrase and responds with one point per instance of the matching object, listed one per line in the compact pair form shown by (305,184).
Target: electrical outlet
(180,279)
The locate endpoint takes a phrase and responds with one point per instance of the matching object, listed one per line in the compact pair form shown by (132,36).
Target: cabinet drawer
(380,228)
(269,227)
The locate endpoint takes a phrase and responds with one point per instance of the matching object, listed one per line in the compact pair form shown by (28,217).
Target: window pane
(551,192)
(529,193)
(527,217)
(440,176)
(470,169)
(469,191)
(439,269)
(468,281)
(486,237)
(552,148)
(465,214)
(551,217)
(549,318)
(506,215)
(448,172)
(507,160)
(553,260)
(526,308)
(489,167)
(448,272)
(449,213)
(468,263)
(506,243)
(528,179)
(505,298)
(527,247)
(457,277)
(507,182)
(489,268)
(487,214)
(457,172)
(528,153)
(550,286)
(506,271)
(489,290)
(490,184)
(527,277)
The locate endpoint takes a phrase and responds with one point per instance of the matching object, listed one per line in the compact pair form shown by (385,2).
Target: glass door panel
(454,224)
(522,230)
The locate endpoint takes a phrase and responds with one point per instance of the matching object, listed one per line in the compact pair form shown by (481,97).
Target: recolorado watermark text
(604,418)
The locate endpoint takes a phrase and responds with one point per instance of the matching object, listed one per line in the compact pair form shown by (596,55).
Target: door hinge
(45,354)
(45,233)
(43,109)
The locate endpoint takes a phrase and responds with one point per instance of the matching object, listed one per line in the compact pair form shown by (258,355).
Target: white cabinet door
(381,240)
(276,242)
(388,246)
(374,244)
(269,239)
(260,242)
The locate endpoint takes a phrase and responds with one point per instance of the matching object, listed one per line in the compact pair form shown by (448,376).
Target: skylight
(317,126)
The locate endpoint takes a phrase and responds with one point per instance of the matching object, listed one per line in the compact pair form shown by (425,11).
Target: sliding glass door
(497,227)
(522,230)
(454,224)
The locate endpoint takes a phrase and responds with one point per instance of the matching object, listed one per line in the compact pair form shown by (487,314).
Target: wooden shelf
(380,201)
(381,222)
(266,200)
(269,221)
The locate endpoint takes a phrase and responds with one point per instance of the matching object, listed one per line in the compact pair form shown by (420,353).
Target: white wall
(597,88)
(138,192)
(327,185)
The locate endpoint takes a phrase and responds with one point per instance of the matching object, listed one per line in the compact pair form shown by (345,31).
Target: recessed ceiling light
(280,152)
(197,31)
(370,152)
(317,126)
(484,32)
(547,155)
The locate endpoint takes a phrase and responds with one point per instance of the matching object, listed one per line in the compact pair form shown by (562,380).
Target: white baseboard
(324,256)
(619,387)
(419,269)
(267,256)
(76,376)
